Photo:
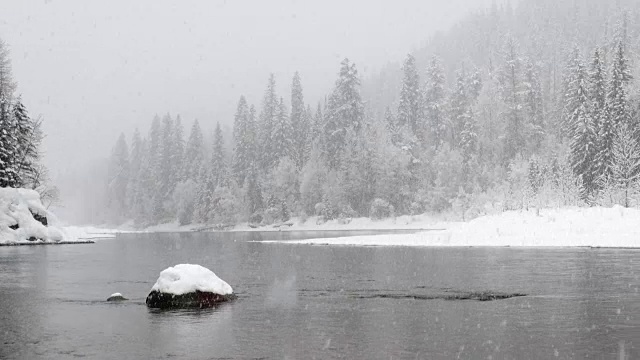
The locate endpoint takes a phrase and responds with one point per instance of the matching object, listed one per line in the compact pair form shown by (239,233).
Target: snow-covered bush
(381,209)
(224,207)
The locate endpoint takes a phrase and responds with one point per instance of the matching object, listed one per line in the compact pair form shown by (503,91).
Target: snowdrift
(571,227)
(19,209)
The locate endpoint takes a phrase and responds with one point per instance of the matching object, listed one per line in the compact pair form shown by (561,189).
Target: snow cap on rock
(186,278)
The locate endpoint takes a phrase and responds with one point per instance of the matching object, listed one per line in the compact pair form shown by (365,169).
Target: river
(319,302)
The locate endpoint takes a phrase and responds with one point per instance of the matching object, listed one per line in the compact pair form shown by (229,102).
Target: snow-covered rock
(116,297)
(188,285)
(19,209)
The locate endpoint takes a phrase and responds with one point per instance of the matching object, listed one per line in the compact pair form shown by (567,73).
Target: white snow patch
(79,233)
(569,227)
(16,206)
(187,278)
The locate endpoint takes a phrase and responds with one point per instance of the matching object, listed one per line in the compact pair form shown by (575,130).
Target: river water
(319,302)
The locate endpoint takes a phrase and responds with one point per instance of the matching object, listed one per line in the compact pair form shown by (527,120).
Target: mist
(94,69)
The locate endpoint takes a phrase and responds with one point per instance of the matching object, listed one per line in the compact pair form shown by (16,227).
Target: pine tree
(410,109)
(177,154)
(300,124)
(533,107)
(8,146)
(345,113)
(318,125)
(135,197)
(166,179)
(616,111)
(27,142)
(194,153)
(598,100)
(253,192)
(218,159)
(267,120)
(216,176)
(243,142)
(435,103)
(626,164)
(460,109)
(118,179)
(582,133)
(617,102)
(281,136)
(151,174)
(511,89)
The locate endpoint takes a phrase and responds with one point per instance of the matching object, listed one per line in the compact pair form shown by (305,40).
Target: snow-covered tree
(281,136)
(266,125)
(118,180)
(27,146)
(582,133)
(435,104)
(244,141)
(511,90)
(626,165)
(194,153)
(345,113)
(300,124)
(411,106)
(533,107)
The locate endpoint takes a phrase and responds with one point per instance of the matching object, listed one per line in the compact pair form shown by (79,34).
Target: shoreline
(572,227)
(37,243)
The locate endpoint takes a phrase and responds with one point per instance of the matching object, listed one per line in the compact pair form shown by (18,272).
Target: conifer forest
(531,105)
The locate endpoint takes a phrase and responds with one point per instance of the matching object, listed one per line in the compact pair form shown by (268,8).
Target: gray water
(306,302)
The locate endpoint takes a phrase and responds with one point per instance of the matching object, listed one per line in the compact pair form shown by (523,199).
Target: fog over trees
(514,107)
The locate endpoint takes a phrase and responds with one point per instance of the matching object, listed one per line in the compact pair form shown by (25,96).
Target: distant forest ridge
(535,105)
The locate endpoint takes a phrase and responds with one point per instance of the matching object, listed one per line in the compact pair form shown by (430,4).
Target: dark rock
(14,227)
(117,297)
(198,299)
(40,218)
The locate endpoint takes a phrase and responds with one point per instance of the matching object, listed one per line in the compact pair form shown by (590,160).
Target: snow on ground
(187,278)
(80,233)
(16,208)
(594,227)
(405,222)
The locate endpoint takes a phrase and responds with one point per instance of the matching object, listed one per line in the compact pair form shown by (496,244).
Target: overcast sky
(94,69)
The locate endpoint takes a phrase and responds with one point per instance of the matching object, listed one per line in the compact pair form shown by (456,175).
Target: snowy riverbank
(572,227)
(568,227)
(25,221)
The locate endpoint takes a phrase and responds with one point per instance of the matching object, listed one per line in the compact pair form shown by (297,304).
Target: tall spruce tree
(533,107)
(282,136)
(511,90)
(625,168)
(243,141)
(267,120)
(345,113)
(460,109)
(177,153)
(582,133)
(616,111)
(194,153)
(118,180)
(411,106)
(27,154)
(300,124)
(435,104)
(598,100)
